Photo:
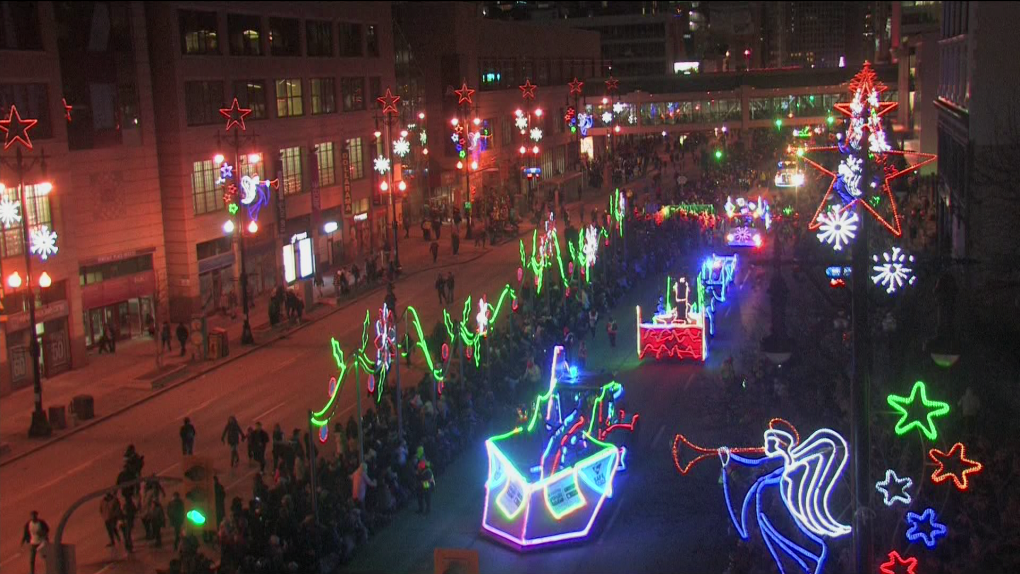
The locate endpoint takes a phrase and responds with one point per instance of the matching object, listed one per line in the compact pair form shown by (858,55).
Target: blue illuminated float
(748,221)
(549,478)
(714,281)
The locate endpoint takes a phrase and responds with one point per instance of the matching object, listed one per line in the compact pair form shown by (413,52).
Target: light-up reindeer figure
(803,474)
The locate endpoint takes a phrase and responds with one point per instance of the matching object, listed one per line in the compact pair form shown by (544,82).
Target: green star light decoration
(904,405)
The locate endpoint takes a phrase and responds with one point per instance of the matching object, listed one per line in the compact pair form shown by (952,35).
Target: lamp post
(235,118)
(388,103)
(16,131)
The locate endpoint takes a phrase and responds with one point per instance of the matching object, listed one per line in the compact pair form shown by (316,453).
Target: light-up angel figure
(482,318)
(385,339)
(804,475)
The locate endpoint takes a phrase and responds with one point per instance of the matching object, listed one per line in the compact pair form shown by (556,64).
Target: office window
(327,170)
(252,168)
(38,213)
(288,98)
(353,91)
(202,102)
(290,163)
(284,37)
(199,34)
(32,101)
(251,94)
(350,39)
(357,158)
(245,34)
(372,40)
(506,130)
(319,37)
(323,96)
(19,26)
(206,194)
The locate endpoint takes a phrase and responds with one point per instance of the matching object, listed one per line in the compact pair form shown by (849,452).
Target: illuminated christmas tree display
(867,162)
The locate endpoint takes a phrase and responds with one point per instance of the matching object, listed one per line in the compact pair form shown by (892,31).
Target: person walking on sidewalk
(441,288)
(109,509)
(232,435)
(611,331)
(258,439)
(156,520)
(449,287)
(182,335)
(165,337)
(36,535)
(127,522)
(426,484)
(278,445)
(175,515)
(434,250)
(187,437)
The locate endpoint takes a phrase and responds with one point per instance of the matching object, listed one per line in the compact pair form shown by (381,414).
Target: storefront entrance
(132,318)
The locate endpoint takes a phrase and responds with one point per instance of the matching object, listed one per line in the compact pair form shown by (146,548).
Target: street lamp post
(16,131)
(388,103)
(860,401)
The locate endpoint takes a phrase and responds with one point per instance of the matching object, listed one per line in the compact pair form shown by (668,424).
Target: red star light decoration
(862,84)
(16,129)
(464,94)
(235,115)
(528,90)
(575,87)
(898,564)
(388,102)
(67,109)
(957,456)
(612,84)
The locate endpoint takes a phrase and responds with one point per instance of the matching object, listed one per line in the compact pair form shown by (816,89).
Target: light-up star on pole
(612,84)
(908,421)
(528,90)
(961,463)
(865,112)
(894,488)
(575,87)
(235,115)
(388,102)
(16,129)
(464,94)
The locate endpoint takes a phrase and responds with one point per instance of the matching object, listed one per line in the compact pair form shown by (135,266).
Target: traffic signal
(199,493)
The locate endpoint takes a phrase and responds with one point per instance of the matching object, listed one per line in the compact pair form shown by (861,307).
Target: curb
(229,360)
(159,391)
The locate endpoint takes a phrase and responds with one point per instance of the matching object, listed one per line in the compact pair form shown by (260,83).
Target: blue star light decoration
(226,171)
(894,488)
(891,271)
(931,534)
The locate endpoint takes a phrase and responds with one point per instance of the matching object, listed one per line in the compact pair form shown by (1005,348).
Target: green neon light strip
(320,418)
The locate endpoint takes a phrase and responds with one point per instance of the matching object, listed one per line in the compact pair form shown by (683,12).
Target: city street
(657,519)
(278,383)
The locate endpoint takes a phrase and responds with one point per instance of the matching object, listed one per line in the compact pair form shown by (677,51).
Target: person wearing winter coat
(109,509)
(232,435)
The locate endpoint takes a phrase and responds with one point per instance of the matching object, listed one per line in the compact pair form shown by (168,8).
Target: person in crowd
(187,437)
(232,435)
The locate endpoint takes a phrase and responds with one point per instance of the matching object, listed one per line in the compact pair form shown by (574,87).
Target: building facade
(311,82)
(82,70)
(978,119)
(494,58)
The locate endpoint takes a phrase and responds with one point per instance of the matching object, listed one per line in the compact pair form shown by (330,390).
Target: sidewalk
(119,381)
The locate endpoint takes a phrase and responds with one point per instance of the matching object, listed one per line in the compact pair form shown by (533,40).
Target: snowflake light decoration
(381,165)
(44,242)
(521,122)
(837,228)
(591,245)
(891,271)
(423,138)
(618,107)
(401,147)
(607,117)
(385,337)
(9,212)
(536,134)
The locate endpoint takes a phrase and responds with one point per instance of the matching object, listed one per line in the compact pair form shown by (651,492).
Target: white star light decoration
(44,242)
(891,272)
(9,212)
(896,494)
(401,147)
(618,107)
(536,134)
(837,228)
(482,318)
(381,164)
(521,122)
(607,117)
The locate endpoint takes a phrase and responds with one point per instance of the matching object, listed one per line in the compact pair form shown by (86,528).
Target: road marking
(199,407)
(168,468)
(263,415)
(687,383)
(9,558)
(104,569)
(658,435)
(62,476)
(726,313)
